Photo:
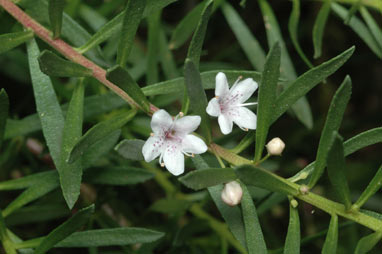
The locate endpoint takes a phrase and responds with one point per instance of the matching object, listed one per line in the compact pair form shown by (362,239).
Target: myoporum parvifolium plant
(184,126)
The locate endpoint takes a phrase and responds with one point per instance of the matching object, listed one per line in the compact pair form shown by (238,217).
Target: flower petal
(161,121)
(221,88)
(213,108)
(173,158)
(152,148)
(193,144)
(186,124)
(225,124)
(244,118)
(243,90)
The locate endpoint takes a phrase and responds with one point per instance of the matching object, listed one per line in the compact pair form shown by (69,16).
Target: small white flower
(171,139)
(275,146)
(228,104)
(232,193)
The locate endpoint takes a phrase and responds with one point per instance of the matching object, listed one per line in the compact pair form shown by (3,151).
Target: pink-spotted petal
(173,158)
(152,148)
(221,88)
(243,90)
(244,118)
(186,124)
(225,124)
(161,121)
(193,144)
(213,108)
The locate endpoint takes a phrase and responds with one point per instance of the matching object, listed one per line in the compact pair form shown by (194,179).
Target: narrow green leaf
(332,123)
(307,81)
(166,57)
(4,108)
(293,31)
(131,19)
(198,98)
(330,244)
(12,40)
(91,16)
(66,229)
(117,175)
(267,98)
(171,206)
(337,169)
(244,142)
(56,9)
(71,174)
(270,202)
(201,179)
(374,28)
(253,233)
(247,41)
(55,66)
(367,243)
(131,149)
(121,77)
(48,108)
(319,27)
(98,132)
(374,185)
(27,181)
(353,10)
(4,238)
(293,238)
(152,74)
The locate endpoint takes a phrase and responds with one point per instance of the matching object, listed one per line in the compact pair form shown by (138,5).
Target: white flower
(228,104)
(232,193)
(275,146)
(171,139)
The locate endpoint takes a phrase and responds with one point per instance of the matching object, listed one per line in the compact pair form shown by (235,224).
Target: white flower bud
(232,193)
(275,146)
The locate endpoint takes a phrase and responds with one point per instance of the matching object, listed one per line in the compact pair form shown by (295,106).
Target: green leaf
(353,10)
(367,243)
(12,40)
(170,206)
(131,19)
(70,174)
(330,245)
(152,74)
(267,98)
(166,57)
(201,179)
(117,175)
(121,77)
(337,169)
(374,185)
(247,41)
(292,241)
(244,142)
(98,132)
(56,9)
(198,98)
(26,181)
(307,81)
(319,27)
(253,233)
(66,229)
(293,31)
(332,123)
(4,238)
(4,108)
(48,108)
(131,149)
(55,66)
(373,26)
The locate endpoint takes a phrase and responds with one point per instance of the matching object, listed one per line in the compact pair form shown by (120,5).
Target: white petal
(152,148)
(193,144)
(173,158)
(186,124)
(221,84)
(213,108)
(161,121)
(225,124)
(243,90)
(244,118)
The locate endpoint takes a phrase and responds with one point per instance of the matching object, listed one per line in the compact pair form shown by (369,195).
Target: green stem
(33,243)
(161,178)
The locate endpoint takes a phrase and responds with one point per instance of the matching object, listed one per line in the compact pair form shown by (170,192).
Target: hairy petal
(152,148)
(161,121)
(213,108)
(244,118)
(186,124)
(173,158)
(193,144)
(225,124)
(221,84)
(243,90)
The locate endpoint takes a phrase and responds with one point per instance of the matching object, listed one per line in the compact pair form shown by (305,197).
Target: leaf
(12,40)
(293,31)
(55,66)
(48,108)
(372,25)
(292,241)
(26,181)
(319,27)
(336,169)
(330,245)
(4,109)
(247,41)
(198,98)
(131,149)
(244,142)
(121,77)
(367,243)
(333,121)
(117,175)
(267,98)
(170,206)
(201,179)
(152,75)
(98,132)
(131,18)
(66,229)
(7,243)
(56,9)
(166,57)
(71,174)
(374,185)
(253,233)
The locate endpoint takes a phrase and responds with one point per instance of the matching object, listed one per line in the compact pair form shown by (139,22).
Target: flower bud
(232,193)
(275,146)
